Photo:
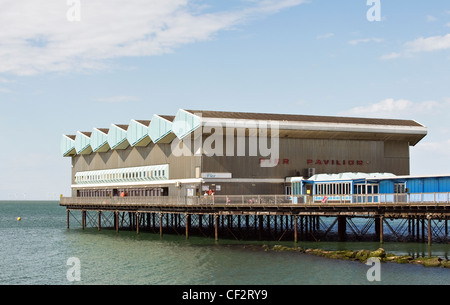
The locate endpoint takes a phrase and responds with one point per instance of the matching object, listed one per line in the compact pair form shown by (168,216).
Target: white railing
(410,198)
(176,200)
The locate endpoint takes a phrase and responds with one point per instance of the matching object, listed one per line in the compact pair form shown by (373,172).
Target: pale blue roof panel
(185,123)
(117,136)
(68,145)
(99,140)
(160,129)
(83,143)
(137,133)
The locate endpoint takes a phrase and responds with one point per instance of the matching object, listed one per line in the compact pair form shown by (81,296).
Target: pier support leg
(99,225)
(68,216)
(260,220)
(418,228)
(342,227)
(216,225)
(381,229)
(187,225)
(429,229)
(117,221)
(160,225)
(423,229)
(446,227)
(83,219)
(301,228)
(137,222)
(295,229)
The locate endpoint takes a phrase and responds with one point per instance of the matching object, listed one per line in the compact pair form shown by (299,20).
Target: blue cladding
(415,185)
(430,185)
(386,187)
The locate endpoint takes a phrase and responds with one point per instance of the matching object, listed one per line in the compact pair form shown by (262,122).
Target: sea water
(39,249)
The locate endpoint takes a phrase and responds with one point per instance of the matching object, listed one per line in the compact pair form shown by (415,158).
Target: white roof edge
(243,123)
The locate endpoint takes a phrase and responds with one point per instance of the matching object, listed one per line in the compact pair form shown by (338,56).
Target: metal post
(295,228)
(160,225)
(381,229)
(68,216)
(117,221)
(83,219)
(429,229)
(187,225)
(99,226)
(137,222)
(260,220)
(216,224)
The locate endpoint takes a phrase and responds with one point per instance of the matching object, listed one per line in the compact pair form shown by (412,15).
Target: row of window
(332,188)
(132,174)
(342,188)
(139,192)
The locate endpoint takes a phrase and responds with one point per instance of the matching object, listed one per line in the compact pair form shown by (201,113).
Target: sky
(68,66)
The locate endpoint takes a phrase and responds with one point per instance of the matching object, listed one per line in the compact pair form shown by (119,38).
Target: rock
(445,263)
(280,248)
(380,253)
(428,261)
(362,255)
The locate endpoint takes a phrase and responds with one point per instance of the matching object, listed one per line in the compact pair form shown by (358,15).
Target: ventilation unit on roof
(311,172)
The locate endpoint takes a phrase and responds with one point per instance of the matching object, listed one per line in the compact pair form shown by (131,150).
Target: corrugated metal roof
(168,117)
(304,118)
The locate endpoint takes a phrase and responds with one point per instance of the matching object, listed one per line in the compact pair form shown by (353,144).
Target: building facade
(198,152)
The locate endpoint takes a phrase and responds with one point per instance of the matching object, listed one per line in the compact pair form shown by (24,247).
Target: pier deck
(419,217)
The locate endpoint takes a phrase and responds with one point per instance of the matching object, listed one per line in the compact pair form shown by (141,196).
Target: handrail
(330,199)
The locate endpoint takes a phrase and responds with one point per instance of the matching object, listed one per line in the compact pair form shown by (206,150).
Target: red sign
(334,162)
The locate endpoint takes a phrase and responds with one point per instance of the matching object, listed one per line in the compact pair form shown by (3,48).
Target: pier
(270,217)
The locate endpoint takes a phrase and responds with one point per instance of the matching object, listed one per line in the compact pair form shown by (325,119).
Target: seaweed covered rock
(362,255)
(380,253)
(280,248)
(428,261)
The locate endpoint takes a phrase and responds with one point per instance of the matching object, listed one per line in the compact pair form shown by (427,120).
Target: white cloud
(325,36)
(391,108)
(433,43)
(365,40)
(428,44)
(37,37)
(431,18)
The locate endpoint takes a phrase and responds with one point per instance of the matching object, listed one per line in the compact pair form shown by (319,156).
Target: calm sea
(36,250)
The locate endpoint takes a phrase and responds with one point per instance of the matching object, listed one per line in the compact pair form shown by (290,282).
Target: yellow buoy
(18,218)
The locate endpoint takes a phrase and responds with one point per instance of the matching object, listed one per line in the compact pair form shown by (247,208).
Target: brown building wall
(325,156)
(295,157)
(153,154)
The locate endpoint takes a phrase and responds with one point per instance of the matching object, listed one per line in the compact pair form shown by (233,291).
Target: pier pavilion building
(196,152)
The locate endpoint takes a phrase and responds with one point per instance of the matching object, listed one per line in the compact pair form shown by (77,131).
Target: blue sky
(130,59)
